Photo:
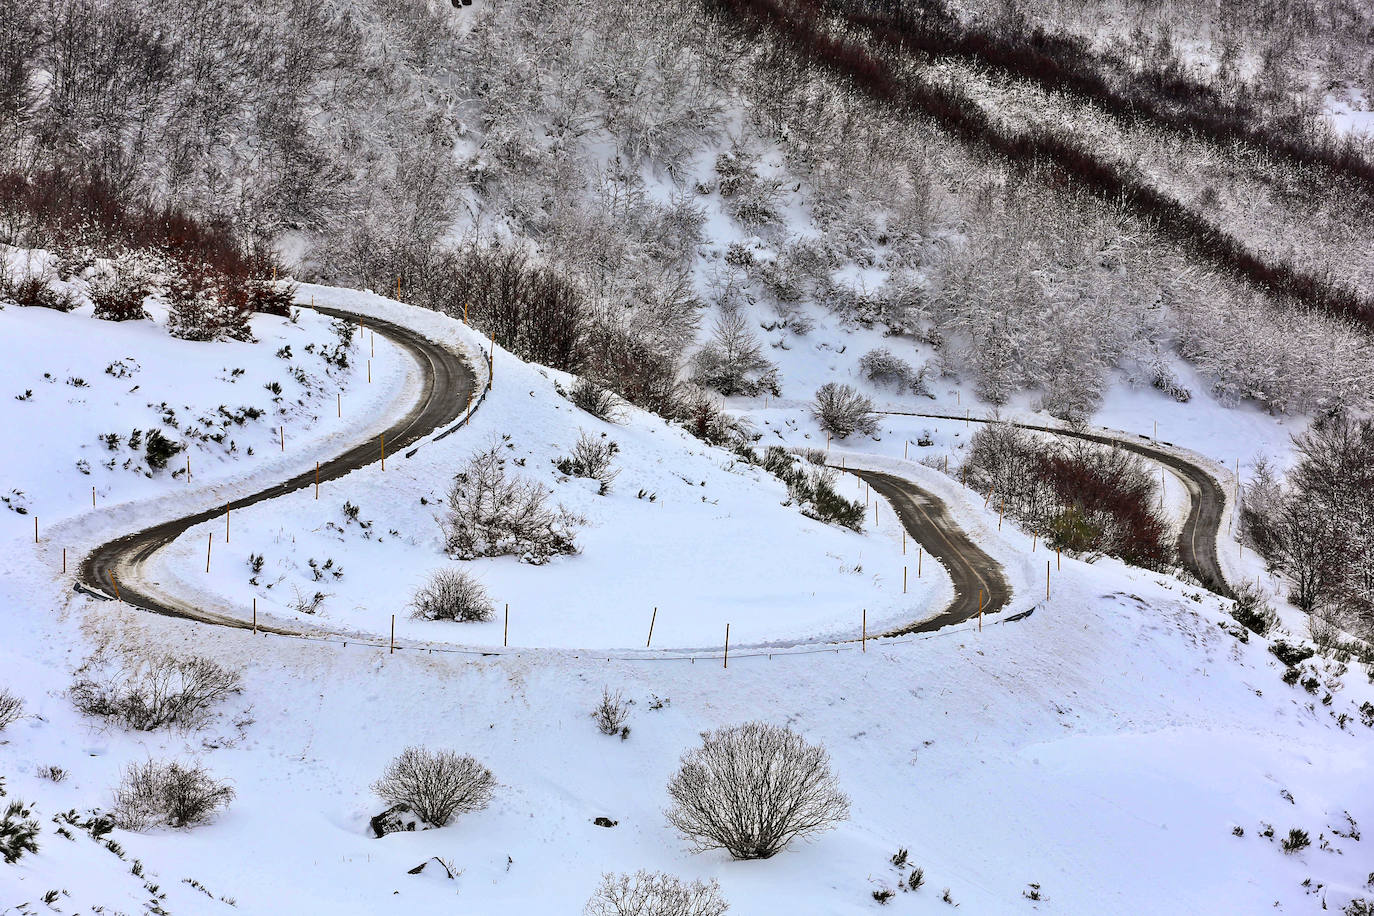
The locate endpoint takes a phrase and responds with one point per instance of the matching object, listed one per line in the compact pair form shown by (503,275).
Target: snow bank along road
(446,384)
(1197,541)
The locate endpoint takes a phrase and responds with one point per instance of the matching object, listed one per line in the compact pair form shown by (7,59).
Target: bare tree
(751,789)
(732,362)
(436,784)
(648,893)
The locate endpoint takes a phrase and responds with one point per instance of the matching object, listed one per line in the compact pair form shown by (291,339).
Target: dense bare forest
(604,184)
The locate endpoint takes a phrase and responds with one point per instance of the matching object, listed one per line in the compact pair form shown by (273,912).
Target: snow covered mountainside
(686,458)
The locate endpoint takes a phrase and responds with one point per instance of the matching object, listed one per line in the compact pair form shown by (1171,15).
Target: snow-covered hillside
(1124,748)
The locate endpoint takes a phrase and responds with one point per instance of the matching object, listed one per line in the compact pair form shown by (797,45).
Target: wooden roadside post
(209,542)
(255,616)
(1058,558)
(35,529)
(317,480)
(339,396)
(92,497)
(727,646)
(980,610)
(1035,536)
(505,635)
(283,436)
(227,507)
(64,561)
(875,513)
(465,313)
(903,580)
(369,372)
(906,450)
(863,637)
(188,467)
(373,339)
(383,438)
(652,620)
(393,635)
(1001,506)
(1047,580)
(920,554)
(903,541)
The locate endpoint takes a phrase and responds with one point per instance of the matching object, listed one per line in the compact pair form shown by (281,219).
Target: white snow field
(1122,748)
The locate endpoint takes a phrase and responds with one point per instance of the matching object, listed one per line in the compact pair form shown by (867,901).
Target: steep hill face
(957,182)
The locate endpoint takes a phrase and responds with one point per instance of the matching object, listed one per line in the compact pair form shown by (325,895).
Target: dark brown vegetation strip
(804,26)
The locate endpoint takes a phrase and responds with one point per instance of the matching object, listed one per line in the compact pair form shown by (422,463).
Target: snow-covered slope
(1105,749)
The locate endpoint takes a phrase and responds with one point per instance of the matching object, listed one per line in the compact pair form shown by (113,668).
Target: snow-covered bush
(595,400)
(159,449)
(11,708)
(145,692)
(751,789)
(705,417)
(841,411)
(35,290)
(436,785)
(158,792)
(591,457)
(813,488)
(493,514)
(1251,608)
(732,362)
(648,893)
(612,713)
(18,832)
(204,304)
(883,367)
(451,594)
(119,287)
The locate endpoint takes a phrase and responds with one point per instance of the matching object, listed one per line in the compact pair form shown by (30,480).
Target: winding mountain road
(1197,541)
(447,382)
(980,587)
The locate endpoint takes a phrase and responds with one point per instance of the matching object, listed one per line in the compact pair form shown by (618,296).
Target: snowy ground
(1104,748)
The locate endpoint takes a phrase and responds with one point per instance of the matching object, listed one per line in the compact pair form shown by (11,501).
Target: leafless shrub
(11,708)
(167,792)
(595,400)
(303,604)
(612,713)
(145,692)
(591,457)
(841,411)
(451,594)
(882,367)
(704,417)
(436,784)
(648,893)
(491,514)
(753,788)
